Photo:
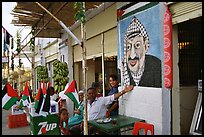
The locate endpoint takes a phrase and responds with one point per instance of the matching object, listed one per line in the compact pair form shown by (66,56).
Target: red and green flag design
(39,96)
(9,97)
(46,105)
(25,97)
(42,102)
(71,92)
(38,100)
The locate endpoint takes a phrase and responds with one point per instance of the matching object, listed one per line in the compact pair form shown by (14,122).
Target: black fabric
(152,73)
(4,91)
(40,102)
(46,106)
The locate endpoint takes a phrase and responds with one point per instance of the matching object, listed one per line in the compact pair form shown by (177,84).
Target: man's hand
(128,88)
(77,111)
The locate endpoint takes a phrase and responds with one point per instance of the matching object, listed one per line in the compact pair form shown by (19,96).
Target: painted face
(135,53)
(91,94)
(112,82)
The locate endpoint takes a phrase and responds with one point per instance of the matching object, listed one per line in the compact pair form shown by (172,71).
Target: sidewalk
(12,131)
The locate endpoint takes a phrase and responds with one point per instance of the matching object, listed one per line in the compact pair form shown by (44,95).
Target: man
(76,121)
(139,69)
(96,107)
(53,95)
(78,113)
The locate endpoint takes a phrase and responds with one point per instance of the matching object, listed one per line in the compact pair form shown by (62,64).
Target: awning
(30,14)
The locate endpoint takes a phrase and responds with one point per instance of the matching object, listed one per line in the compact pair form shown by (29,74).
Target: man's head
(91,94)
(81,95)
(52,91)
(136,43)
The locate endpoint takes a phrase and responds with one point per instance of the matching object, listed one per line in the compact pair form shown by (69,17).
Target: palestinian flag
(43,86)
(42,103)
(71,92)
(25,100)
(9,97)
(46,106)
(38,101)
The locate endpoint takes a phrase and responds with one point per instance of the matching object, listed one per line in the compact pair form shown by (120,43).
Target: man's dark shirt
(152,73)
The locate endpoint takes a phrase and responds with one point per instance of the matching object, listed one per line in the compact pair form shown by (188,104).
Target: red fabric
(43,87)
(120,13)
(11,92)
(38,94)
(26,90)
(72,87)
(168,60)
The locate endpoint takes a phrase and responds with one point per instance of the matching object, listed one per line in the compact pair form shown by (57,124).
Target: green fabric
(76,119)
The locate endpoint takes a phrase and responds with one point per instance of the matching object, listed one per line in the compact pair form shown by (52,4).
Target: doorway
(190,68)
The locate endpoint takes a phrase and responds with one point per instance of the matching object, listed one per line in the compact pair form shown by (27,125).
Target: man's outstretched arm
(127,89)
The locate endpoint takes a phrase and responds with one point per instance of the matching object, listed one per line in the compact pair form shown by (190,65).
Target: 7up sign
(45,127)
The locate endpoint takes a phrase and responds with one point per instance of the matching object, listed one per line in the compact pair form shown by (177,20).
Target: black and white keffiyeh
(134,29)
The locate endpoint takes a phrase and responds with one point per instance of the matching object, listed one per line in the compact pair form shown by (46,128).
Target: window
(190,51)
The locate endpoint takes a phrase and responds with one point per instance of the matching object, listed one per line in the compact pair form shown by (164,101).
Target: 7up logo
(46,127)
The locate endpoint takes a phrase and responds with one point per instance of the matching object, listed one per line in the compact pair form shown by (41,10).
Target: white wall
(146,103)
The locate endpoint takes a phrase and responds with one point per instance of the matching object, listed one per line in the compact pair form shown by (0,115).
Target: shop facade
(102,54)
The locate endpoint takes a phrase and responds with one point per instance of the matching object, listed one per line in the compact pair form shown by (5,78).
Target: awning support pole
(40,29)
(61,24)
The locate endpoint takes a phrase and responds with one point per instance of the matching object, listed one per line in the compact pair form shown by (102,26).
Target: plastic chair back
(142,125)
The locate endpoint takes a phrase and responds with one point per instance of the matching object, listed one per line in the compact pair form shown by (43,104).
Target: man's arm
(127,89)
(111,109)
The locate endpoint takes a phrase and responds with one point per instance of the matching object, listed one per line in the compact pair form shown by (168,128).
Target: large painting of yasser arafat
(139,51)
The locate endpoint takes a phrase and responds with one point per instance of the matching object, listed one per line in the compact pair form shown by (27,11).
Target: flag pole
(29,94)
(29,99)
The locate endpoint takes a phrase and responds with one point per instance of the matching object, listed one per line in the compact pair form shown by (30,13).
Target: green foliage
(80,14)
(32,40)
(60,75)
(42,74)
(18,41)
(12,62)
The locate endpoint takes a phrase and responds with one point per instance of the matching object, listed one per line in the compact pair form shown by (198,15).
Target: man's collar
(96,98)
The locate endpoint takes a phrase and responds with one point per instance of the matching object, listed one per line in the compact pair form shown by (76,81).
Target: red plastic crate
(19,120)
